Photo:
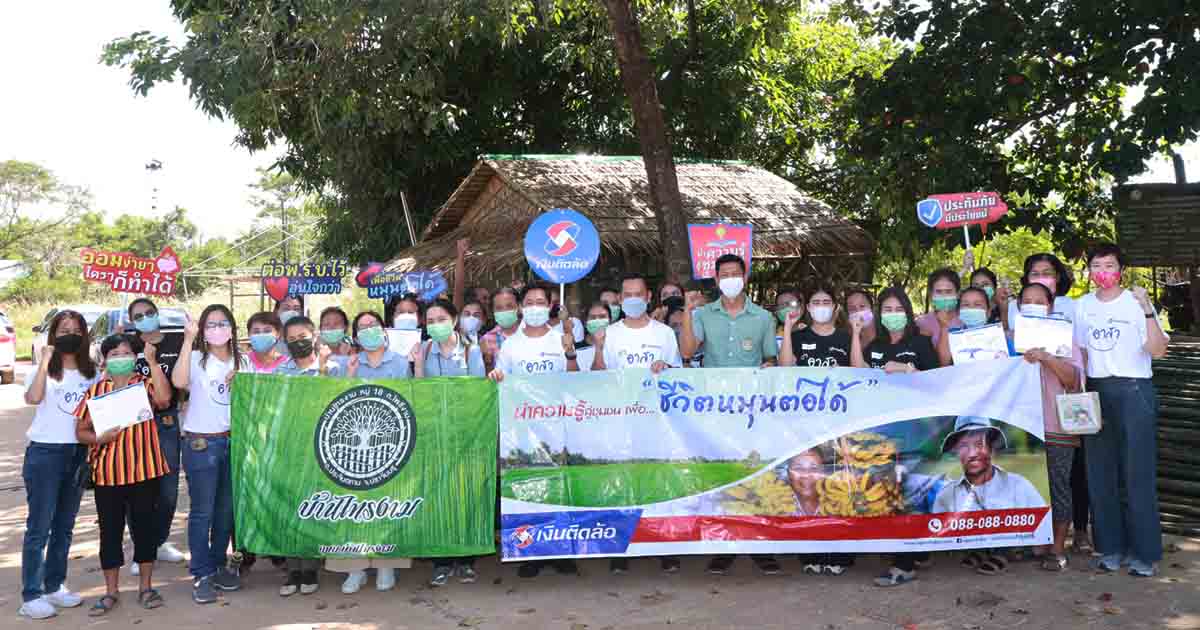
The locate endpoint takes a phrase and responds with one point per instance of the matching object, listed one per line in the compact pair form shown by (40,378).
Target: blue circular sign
(562,246)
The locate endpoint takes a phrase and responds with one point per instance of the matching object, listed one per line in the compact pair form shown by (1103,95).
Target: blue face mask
(147,324)
(972,317)
(263,342)
(634,307)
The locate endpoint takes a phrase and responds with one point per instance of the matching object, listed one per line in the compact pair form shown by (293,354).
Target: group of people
(526,330)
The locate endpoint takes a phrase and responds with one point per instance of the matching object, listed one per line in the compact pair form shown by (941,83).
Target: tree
(25,185)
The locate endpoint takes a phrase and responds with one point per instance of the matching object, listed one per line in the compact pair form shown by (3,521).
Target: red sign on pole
(126,273)
(710,242)
(949,211)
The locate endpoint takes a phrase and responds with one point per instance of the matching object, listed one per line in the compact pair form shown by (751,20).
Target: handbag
(1079,414)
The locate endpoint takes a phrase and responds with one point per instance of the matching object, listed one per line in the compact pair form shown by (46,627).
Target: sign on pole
(952,210)
(127,273)
(709,242)
(562,246)
(380,284)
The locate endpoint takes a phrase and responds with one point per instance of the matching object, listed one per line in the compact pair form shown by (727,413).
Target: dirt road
(946,597)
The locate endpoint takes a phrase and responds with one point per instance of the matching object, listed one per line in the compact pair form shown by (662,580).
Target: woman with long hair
(941,296)
(64,373)
(208,374)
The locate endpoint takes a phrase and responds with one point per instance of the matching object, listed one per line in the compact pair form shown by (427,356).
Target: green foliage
(25,186)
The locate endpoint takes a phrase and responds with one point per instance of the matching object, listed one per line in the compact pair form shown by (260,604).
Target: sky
(69,113)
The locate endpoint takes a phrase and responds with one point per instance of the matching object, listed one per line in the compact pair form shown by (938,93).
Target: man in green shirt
(731,332)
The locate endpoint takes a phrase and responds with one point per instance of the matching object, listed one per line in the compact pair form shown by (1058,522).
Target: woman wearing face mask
(448,353)
(404,312)
(985,280)
(941,293)
(860,306)
(825,343)
(599,317)
(334,323)
(788,301)
(126,464)
(207,375)
(1059,376)
(667,291)
(286,309)
(508,322)
(611,298)
(265,334)
(470,324)
(1047,270)
(974,310)
(52,459)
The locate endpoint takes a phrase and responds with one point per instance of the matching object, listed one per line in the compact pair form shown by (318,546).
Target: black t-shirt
(813,350)
(915,349)
(169,350)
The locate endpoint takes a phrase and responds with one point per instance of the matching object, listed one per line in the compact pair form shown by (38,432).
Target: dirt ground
(945,596)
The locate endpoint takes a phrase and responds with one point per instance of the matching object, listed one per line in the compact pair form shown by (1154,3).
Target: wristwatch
(1150,315)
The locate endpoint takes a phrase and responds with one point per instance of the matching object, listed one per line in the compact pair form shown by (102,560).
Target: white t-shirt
(626,347)
(584,357)
(208,401)
(1063,305)
(532,355)
(1114,335)
(54,420)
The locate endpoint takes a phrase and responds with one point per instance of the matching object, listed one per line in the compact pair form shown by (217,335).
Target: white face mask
(821,314)
(1035,310)
(405,321)
(536,316)
(731,287)
(469,324)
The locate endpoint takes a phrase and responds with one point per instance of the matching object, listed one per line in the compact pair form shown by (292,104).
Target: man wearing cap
(984,486)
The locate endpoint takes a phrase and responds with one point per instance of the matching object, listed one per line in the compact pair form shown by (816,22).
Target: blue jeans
(168,492)
(53,496)
(1122,461)
(210,519)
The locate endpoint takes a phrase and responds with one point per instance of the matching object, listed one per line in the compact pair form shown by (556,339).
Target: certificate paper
(120,408)
(1054,334)
(402,341)
(978,344)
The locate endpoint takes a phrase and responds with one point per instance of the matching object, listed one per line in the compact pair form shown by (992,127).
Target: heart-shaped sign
(363,279)
(277,288)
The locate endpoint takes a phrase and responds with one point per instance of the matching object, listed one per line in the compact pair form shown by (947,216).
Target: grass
(617,485)
(1031,466)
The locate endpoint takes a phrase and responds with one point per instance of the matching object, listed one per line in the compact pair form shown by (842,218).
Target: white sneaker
(135,569)
(39,608)
(63,598)
(386,580)
(354,581)
(168,553)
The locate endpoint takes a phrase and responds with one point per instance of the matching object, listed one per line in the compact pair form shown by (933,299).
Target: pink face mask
(1049,283)
(1106,279)
(218,336)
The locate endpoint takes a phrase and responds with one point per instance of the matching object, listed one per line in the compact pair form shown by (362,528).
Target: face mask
(371,338)
(634,307)
(218,336)
(300,348)
(1035,310)
(469,324)
(615,311)
(285,316)
(1106,279)
(262,342)
(1049,282)
(405,321)
(989,290)
(731,287)
(332,337)
(894,322)
(536,315)
(120,366)
(674,301)
(68,344)
(973,317)
(866,317)
(596,325)
(440,332)
(506,319)
(945,303)
(821,314)
(147,324)
(782,313)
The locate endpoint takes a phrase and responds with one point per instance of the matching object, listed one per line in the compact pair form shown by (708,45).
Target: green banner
(356,468)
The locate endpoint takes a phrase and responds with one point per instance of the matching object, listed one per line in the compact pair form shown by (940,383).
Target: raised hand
(47,354)
(150,351)
(1143,297)
(568,341)
(856,325)
(190,330)
(792,319)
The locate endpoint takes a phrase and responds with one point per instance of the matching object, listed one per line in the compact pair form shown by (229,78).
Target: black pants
(1080,505)
(113,505)
(908,561)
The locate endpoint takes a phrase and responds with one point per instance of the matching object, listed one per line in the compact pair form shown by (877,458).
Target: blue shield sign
(929,211)
(562,246)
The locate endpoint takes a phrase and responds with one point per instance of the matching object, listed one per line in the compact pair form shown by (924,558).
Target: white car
(8,350)
(90,312)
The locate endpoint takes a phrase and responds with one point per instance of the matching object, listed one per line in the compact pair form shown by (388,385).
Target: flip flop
(992,566)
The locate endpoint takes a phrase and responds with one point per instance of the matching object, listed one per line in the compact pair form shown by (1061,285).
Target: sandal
(972,560)
(150,599)
(993,565)
(1054,562)
(103,606)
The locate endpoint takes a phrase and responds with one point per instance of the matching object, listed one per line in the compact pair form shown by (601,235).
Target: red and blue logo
(562,246)
(522,536)
(562,238)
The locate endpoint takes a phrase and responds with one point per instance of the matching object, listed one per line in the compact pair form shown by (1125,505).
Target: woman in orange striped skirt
(126,464)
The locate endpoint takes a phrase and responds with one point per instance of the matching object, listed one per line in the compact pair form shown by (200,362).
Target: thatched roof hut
(504,194)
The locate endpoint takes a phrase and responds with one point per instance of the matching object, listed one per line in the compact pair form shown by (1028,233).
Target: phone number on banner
(961,523)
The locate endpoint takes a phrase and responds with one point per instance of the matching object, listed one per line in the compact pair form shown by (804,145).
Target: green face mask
(506,319)
(120,366)
(990,291)
(945,303)
(596,325)
(894,322)
(782,313)
(440,332)
(332,337)
(615,310)
(372,338)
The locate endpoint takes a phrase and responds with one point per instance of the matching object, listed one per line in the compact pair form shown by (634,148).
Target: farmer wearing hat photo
(984,486)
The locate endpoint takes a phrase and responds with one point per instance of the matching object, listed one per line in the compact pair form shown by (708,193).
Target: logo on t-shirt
(68,400)
(1103,339)
(218,392)
(365,436)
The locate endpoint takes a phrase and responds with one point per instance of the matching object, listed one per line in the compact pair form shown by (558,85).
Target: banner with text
(355,468)
(781,460)
(709,242)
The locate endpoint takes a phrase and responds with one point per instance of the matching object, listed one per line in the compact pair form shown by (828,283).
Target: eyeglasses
(216,325)
(137,317)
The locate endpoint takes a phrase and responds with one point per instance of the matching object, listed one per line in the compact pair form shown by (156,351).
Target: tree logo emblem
(365,436)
